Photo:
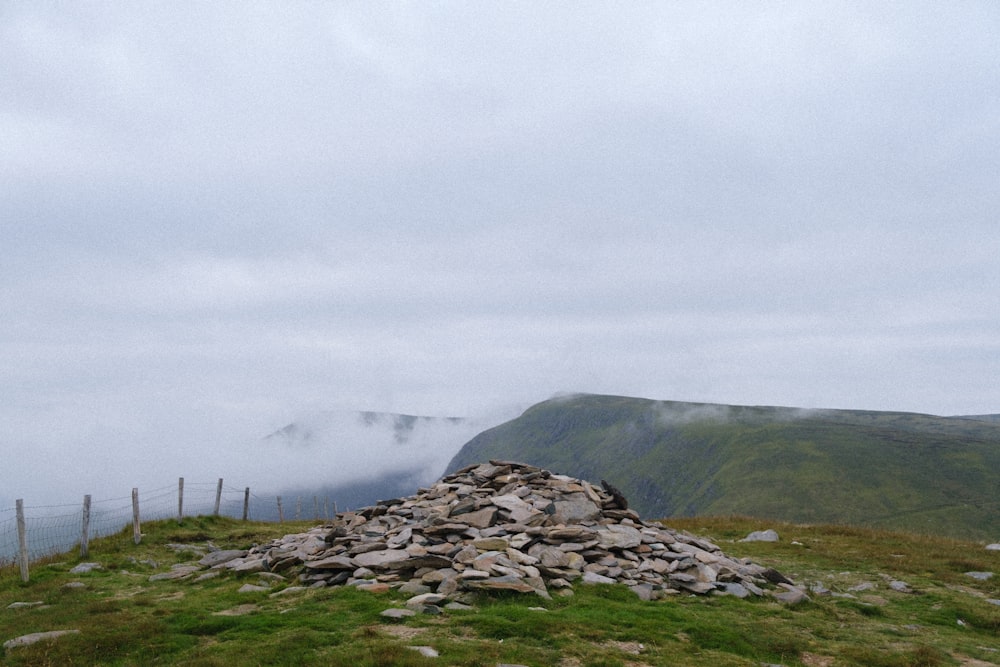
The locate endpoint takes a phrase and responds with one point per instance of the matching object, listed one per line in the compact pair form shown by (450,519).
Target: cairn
(505,526)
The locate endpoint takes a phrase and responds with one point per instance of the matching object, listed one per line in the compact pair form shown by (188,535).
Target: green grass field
(125,619)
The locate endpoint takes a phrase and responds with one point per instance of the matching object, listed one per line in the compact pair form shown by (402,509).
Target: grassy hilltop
(894,470)
(127,615)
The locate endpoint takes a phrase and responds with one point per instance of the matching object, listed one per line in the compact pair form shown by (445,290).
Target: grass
(124,619)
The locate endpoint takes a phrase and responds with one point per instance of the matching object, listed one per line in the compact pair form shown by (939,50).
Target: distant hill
(897,470)
(354,458)
(982,418)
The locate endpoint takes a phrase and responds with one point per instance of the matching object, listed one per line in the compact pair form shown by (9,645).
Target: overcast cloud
(217,216)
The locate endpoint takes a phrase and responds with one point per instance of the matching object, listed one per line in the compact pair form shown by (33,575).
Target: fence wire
(56,529)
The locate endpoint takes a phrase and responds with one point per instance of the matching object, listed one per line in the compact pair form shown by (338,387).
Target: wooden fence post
(315,508)
(180,500)
(136,527)
(218,497)
(85,529)
(246,503)
(281,514)
(298,508)
(22,541)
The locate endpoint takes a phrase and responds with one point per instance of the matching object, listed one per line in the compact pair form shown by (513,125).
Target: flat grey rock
(83,568)
(792,597)
(35,637)
(251,588)
(594,578)
(219,557)
(761,536)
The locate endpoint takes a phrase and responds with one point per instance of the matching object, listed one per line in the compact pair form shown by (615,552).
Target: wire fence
(49,530)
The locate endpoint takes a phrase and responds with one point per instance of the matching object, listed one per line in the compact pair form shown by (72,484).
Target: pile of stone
(504,526)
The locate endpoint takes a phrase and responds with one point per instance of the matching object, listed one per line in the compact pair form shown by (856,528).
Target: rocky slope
(505,526)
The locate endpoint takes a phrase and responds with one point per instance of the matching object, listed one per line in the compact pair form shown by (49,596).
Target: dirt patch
(401,631)
(633,648)
(170,596)
(813,660)
(973,662)
(241,610)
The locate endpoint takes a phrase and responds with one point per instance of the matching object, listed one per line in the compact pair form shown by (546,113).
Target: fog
(216,218)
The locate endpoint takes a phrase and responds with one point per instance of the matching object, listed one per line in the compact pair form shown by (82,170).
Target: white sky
(215,216)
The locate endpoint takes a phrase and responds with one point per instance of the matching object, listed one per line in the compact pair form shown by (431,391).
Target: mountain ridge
(900,470)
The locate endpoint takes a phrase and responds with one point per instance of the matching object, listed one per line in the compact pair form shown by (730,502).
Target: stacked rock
(506,526)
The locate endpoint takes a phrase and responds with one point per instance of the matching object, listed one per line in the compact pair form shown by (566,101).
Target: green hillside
(895,470)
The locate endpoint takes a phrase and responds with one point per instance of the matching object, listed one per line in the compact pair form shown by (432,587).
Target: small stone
(333,563)
(74,585)
(980,576)
(792,596)
(618,536)
(734,589)
(426,651)
(373,587)
(424,599)
(397,614)
(251,588)
(761,536)
(83,568)
(644,592)
(414,587)
(246,565)
(491,544)
(381,558)
(219,557)
(176,572)
(241,610)
(698,587)
(594,578)
(506,583)
(993,547)
(27,640)
(483,518)
(24,605)
(900,586)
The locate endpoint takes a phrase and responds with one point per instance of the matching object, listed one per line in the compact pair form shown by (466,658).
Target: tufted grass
(125,619)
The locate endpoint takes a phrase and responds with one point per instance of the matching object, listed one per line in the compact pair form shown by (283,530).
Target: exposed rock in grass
(761,536)
(241,610)
(35,637)
(83,568)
